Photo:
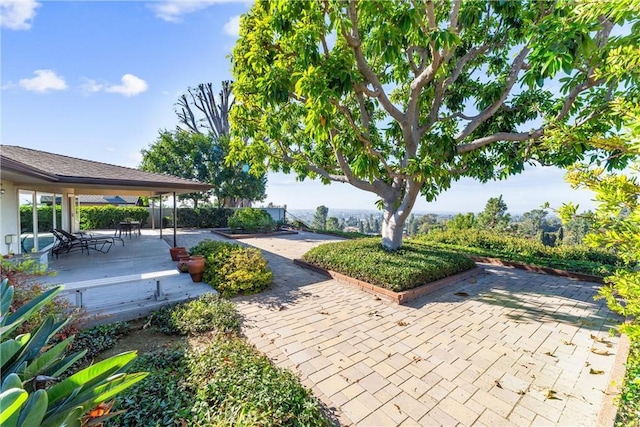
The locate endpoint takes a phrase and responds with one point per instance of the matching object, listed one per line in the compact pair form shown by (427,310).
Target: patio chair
(89,241)
(64,244)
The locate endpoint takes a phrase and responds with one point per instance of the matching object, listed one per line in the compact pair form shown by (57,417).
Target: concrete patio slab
(147,253)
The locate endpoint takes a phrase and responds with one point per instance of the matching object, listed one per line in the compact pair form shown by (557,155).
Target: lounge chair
(69,242)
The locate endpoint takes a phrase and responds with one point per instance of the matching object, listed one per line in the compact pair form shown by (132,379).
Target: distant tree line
(536,224)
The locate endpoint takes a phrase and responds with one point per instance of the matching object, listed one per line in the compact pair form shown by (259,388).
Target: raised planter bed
(396,297)
(537,269)
(226,232)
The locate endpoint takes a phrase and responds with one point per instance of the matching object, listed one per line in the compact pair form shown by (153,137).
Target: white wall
(9,219)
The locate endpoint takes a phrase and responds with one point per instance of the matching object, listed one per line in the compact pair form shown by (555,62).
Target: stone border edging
(248,236)
(537,269)
(396,297)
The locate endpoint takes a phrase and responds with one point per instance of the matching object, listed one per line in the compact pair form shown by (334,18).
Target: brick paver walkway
(516,351)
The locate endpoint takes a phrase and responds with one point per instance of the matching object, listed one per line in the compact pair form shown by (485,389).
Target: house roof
(26,165)
(97,199)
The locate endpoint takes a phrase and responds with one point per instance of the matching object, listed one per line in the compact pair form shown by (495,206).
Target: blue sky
(98,80)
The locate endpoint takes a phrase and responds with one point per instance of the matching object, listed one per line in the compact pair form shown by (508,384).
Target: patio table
(129,227)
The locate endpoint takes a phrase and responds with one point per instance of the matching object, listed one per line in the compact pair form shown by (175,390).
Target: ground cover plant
(579,258)
(414,264)
(233,269)
(214,377)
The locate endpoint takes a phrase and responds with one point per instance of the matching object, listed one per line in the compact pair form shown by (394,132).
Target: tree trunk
(392,230)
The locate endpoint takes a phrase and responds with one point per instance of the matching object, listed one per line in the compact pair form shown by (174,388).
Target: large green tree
(401,98)
(186,155)
(201,157)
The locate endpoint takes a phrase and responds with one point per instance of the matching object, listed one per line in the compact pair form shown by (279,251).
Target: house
(29,173)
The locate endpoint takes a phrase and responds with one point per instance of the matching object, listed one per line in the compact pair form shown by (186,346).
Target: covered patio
(146,257)
(27,174)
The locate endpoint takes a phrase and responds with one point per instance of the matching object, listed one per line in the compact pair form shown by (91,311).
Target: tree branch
(516,66)
(499,136)
(354,41)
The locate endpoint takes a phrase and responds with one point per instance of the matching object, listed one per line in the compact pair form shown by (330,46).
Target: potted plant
(177,250)
(196,265)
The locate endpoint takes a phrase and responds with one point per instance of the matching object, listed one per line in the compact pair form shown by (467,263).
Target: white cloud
(174,10)
(91,86)
(131,86)
(44,81)
(232,27)
(17,14)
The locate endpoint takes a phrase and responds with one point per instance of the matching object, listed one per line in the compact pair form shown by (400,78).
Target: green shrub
(413,265)
(233,382)
(233,269)
(629,403)
(206,313)
(252,220)
(485,243)
(102,217)
(204,217)
(24,279)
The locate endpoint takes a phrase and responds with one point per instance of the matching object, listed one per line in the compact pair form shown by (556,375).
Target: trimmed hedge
(45,217)
(413,265)
(205,217)
(233,269)
(102,217)
(251,220)
(579,258)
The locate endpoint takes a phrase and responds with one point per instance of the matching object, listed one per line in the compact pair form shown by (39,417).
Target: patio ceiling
(49,172)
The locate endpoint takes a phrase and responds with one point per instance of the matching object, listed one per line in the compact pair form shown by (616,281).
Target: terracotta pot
(175,251)
(196,267)
(183,259)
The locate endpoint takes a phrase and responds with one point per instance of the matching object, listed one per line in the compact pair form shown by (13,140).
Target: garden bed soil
(397,297)
(149,339)
(226,232)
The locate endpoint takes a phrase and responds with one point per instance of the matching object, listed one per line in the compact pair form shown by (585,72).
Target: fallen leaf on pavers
(371,313)
(521,392)
(323,312)
(397,407)
(497,383)
(548,353)
(550,394)
(461,294)
(282,307)
(567,343)
(377,299)
(600,352)
(587,364)
(416,359)
(402,323)
(595,372)
(600,340)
